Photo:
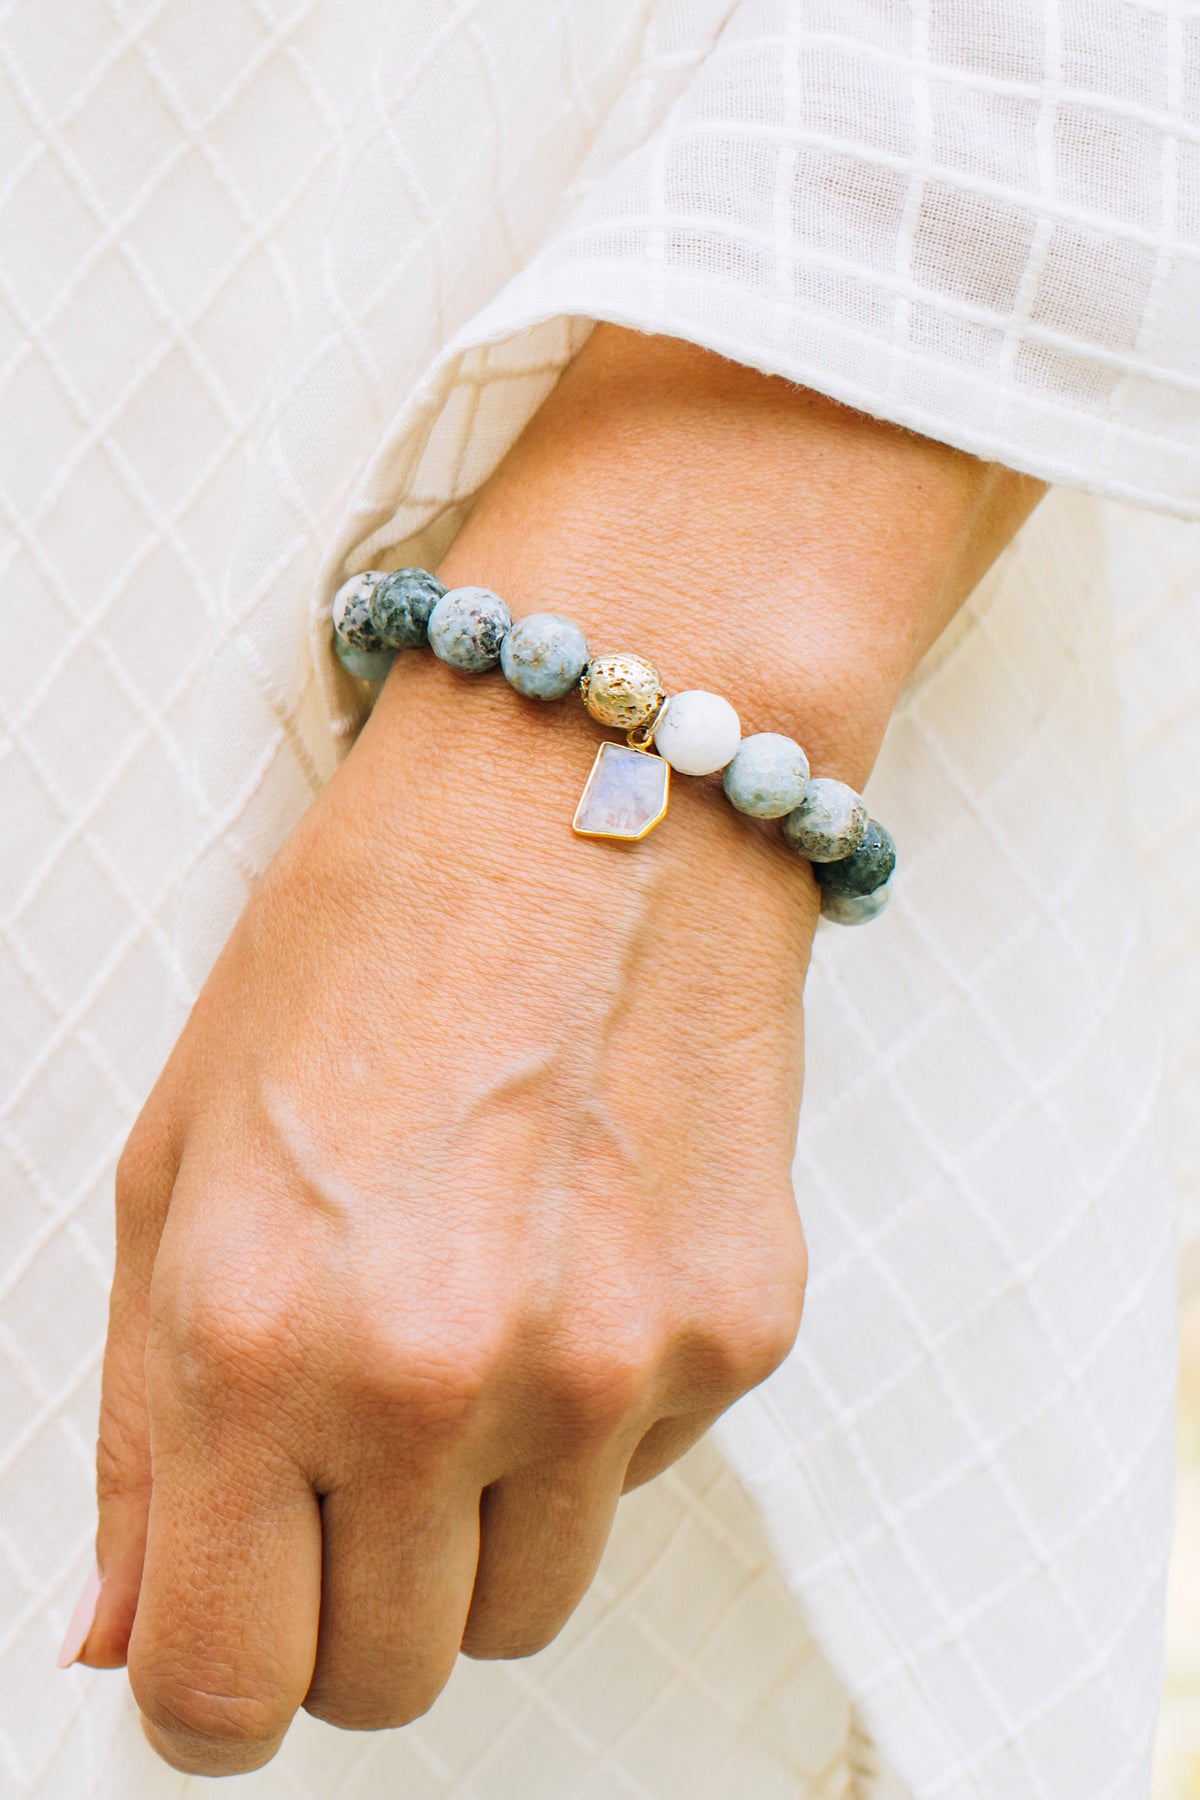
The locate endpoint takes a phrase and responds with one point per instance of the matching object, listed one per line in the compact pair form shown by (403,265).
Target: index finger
(225,1639)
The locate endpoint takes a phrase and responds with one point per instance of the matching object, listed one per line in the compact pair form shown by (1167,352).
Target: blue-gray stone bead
(352,611)
(865,869)
(854,909)
(543,656)
(828,823)
(467,627)
(364,665)
(768,776)
(401,605)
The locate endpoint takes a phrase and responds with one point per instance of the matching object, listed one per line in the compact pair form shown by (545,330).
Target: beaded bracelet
(544,656)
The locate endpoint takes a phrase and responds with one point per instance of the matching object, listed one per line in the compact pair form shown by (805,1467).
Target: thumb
(145,1177)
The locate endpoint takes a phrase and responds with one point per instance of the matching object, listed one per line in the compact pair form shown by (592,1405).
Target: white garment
(281,281)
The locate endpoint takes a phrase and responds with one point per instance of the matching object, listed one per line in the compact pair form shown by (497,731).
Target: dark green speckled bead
(401,605)
(352,612)
(865,869)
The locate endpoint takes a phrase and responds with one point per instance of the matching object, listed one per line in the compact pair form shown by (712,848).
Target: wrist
(756,542)
(805,672)
(748,538)
(486,779)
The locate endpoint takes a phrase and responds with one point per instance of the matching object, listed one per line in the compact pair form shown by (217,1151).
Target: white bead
(697,733)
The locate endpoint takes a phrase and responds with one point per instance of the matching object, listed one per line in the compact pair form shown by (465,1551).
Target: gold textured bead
(621,689)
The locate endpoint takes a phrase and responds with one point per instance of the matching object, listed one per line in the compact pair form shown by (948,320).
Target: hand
(464,1200)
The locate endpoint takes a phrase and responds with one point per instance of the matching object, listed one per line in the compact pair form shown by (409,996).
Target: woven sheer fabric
(982,221)
(280,281)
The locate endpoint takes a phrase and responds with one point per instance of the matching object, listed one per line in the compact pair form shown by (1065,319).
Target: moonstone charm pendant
(625,796)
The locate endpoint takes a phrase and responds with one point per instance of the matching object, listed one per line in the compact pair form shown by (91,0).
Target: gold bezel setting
(605,753)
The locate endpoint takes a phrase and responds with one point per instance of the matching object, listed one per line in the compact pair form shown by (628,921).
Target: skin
(464,1202)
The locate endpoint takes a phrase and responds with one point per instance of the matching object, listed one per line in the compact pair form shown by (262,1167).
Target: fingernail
(81,1622)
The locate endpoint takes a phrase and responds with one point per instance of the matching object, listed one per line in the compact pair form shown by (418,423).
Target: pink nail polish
(81,1622)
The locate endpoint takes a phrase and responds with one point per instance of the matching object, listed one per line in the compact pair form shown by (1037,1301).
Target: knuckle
(190,1714)
(771,1319)
(758,1337)
(749,1328)
(594,1386)
(143,1169)
(366,1712)
(509,1642)
(222,1336)
(769,1340)
(132,1167)
(434,1383)
(505,1648)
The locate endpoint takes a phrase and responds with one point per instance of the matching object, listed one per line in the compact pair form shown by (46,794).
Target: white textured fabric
(1156,590)
(280,281)
(981,220)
